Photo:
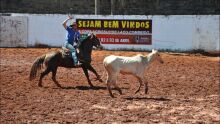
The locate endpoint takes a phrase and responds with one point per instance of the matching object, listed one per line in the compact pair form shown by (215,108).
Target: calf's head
(157,56)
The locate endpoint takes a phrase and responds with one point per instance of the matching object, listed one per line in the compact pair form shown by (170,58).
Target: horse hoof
(100,80)
(146,91)
(136,91)
(112,96)
(120,92)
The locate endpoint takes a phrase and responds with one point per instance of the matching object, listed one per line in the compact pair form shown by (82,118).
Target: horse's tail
(38,63)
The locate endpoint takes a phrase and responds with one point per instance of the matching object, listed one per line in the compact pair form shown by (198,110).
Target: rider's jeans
(73,52)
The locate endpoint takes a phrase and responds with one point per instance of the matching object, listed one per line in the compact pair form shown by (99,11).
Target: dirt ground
(185,89)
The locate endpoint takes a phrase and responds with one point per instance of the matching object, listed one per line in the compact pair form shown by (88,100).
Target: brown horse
(53,60)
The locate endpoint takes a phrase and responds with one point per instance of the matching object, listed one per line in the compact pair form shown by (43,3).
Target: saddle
(65,52)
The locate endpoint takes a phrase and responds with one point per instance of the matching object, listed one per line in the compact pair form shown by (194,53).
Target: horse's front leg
(54,71)
(85,70)
(89,66)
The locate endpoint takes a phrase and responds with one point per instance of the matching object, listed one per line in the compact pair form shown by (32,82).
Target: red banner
(124,39)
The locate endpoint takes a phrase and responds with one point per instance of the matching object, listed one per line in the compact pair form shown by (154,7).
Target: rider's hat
(73,24)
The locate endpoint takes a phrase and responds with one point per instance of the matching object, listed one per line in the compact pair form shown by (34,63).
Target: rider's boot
(78,64)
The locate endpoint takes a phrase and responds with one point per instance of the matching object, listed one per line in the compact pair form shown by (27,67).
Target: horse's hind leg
(54,72)
(46,71)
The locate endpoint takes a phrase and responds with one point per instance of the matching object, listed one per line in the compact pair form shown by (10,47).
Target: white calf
(128,65)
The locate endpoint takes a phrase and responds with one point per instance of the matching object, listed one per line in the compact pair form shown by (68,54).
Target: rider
(72,38)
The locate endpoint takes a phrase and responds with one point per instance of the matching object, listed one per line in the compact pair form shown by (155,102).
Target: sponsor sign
(118,31)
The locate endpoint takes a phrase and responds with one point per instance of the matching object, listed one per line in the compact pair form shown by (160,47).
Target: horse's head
(95,41)
(86,44)
(157,56)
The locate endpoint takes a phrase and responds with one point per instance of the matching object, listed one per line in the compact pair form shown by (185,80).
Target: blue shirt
(72,36)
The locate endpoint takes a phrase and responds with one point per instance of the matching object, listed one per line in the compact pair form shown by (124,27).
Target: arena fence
(116,32)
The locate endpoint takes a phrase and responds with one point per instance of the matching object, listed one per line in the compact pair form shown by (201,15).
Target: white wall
(45,29)
(185,32)
(174,32)
(13,31)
